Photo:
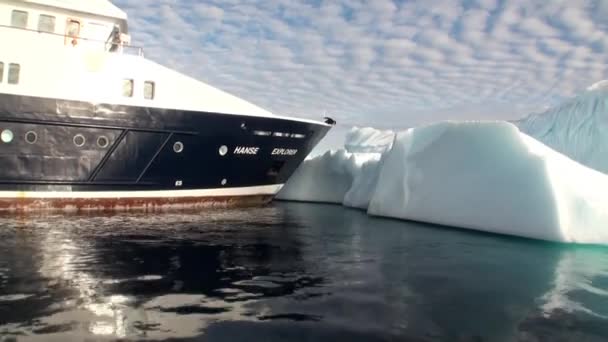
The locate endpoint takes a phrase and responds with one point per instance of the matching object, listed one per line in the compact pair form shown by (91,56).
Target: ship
(87,122)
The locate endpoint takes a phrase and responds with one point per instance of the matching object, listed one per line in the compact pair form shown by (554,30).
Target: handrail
(139,49)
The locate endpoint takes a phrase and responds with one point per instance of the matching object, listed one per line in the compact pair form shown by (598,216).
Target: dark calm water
(290,272)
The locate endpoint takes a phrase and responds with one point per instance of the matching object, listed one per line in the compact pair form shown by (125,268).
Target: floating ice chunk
(485,176)
(527,179)
(491,177)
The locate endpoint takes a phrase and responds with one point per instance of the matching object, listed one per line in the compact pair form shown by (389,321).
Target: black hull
(127,148)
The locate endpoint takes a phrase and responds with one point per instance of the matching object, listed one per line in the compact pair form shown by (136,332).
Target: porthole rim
(106,139)
(84,140)
(177,149)
(29,133)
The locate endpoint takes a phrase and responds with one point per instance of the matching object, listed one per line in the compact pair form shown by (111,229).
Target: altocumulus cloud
(384,63)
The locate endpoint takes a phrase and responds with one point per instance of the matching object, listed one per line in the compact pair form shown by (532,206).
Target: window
(46,23)
(97,31)
(7,136)
(13,73)
(73,28)
(19,19)
(127,88)
(1,71)
(149,90)
(72,32)
(262,133)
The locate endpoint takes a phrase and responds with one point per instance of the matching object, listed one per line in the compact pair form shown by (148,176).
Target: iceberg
(486,176)
(326,178)
(493,178)
(578,128)
(368,140)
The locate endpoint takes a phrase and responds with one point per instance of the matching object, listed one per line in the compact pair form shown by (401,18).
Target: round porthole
(31,137)
(224,181)
(243,126)
(223,150)
(79,140)
(103,141)
(7,136)
(178,147)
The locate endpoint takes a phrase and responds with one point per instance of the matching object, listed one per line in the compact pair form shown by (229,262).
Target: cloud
(404,62)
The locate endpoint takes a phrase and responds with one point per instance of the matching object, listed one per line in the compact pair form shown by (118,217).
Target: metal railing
(107,45)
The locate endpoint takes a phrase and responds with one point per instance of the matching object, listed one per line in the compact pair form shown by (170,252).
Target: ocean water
(290,272)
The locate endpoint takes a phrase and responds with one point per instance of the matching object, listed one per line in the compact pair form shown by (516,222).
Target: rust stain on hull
(152,204)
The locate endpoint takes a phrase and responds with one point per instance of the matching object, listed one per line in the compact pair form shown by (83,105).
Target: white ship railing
(121,48)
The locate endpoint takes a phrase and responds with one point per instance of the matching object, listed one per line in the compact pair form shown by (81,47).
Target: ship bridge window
(13,73)
(46,23)
(19,19)
(149,90)
(73,28)
(72,32)
(127,88)
(262,133)
(1,71)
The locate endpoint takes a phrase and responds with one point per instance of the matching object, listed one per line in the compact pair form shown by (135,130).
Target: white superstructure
(80,50)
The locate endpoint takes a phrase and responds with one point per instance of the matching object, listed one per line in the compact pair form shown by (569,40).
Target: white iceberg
(326,178)
(578,128)
(486,176)
(491,177)
(368,140)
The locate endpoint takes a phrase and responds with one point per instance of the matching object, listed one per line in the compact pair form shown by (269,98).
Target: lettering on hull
(246,150)
(284,152)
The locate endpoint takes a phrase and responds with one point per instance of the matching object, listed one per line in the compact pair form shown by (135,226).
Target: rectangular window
(262,133)
(13,73)
(46,23)
(72,32)
(149,90)
(1,71)
(127,88)
(72,28)
(19,19)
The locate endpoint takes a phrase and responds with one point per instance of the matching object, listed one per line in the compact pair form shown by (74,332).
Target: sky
(382,63)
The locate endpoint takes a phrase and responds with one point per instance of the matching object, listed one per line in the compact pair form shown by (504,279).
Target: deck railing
(106,44)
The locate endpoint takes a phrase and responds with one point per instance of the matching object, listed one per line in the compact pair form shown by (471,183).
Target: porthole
(178,147)
(223,150)
(7,136)
(103,141)
(79,140)
(224,181)
(243,126)
(31,137)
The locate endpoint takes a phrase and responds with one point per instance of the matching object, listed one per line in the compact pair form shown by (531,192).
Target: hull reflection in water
(289,271)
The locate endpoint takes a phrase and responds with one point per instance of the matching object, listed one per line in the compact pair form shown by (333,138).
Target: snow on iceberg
(368,140)
(578,128)
(485,176)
